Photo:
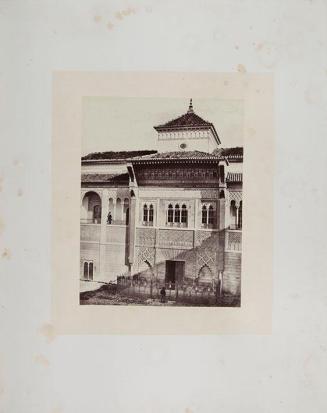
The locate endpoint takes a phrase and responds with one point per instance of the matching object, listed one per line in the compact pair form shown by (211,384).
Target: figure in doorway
(163,295)
(109,218)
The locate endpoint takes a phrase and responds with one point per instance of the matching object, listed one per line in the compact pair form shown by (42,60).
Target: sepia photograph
(161,201)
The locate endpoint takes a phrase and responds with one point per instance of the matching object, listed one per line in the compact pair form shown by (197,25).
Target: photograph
(161,201)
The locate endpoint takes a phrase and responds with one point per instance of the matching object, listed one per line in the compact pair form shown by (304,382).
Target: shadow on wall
(201,265)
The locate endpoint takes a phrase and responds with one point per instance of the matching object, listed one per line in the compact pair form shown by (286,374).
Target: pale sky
(126,123)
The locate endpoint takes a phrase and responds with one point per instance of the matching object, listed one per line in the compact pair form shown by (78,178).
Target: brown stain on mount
(110,26)
(241,69)
(6,253)
(42,360)
(47,330)
(2,225)
(121,14)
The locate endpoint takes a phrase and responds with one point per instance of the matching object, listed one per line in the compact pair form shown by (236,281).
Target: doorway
(175,271)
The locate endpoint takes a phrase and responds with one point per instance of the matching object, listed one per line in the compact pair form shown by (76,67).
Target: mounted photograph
(161,201)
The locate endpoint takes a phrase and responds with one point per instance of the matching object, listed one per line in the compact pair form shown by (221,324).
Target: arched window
(91,271)
(91,208)
(127,216)
(177,217)
(125,210)
(118,215)
(170,214)
(145,213)
(97,214)
(233,223)
(88,270)
(240,216)
(204,214)
(211,216)
(151,214)
(184,214)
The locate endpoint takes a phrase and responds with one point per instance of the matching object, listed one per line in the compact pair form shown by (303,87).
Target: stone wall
(232,273)
(110,258)
(197,248)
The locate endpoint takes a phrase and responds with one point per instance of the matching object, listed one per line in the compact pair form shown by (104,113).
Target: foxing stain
(42,360)
(47,330)
(6,253)
(241,68)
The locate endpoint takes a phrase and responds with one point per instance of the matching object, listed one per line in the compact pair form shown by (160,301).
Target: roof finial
(190,108)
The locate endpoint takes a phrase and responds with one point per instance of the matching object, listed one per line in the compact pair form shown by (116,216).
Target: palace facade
(171,214)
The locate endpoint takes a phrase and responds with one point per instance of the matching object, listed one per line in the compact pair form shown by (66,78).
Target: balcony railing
(176,224)
(235,227)
(90,220)
(98,221)
(118,222)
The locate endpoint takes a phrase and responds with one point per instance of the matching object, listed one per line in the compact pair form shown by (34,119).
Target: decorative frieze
(209,194)
(234,241)
(145,236)
(177,173)
(179,238)
(235,196)
(144,254)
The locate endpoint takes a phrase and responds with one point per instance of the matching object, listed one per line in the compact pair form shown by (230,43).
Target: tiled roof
(116,155)
(232,154)
(189,120)
(179,155)
(105,178)
(234,177)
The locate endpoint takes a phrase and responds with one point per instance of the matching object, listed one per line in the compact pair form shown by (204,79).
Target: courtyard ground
(107,295)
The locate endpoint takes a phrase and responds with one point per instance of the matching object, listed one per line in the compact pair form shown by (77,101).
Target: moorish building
(174,213)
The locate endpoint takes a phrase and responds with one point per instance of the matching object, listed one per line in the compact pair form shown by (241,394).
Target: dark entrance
(175,271)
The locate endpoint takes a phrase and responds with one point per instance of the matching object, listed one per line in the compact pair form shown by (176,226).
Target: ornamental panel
(145,236)
(234,241)
(209,194)
(201,236)
(235,196)
(171,254)
(175,238)
(143,254)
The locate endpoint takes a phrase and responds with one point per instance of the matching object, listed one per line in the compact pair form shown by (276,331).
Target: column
(196,210)
(104,214)
(157,213)
(236,224)
(222,213)
(132,216)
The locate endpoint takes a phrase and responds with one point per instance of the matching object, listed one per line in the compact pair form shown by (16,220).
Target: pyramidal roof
(189,121)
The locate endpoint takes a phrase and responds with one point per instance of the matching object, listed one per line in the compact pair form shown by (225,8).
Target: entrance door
(175,271)
(179,271)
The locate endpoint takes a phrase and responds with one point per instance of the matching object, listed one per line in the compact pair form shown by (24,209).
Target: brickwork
(232,273)
(145,237)
(175,238)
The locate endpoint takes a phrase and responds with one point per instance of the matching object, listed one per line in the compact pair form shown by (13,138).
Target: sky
(126,123)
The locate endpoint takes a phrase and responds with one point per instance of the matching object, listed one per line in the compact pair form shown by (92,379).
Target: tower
(187,132)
